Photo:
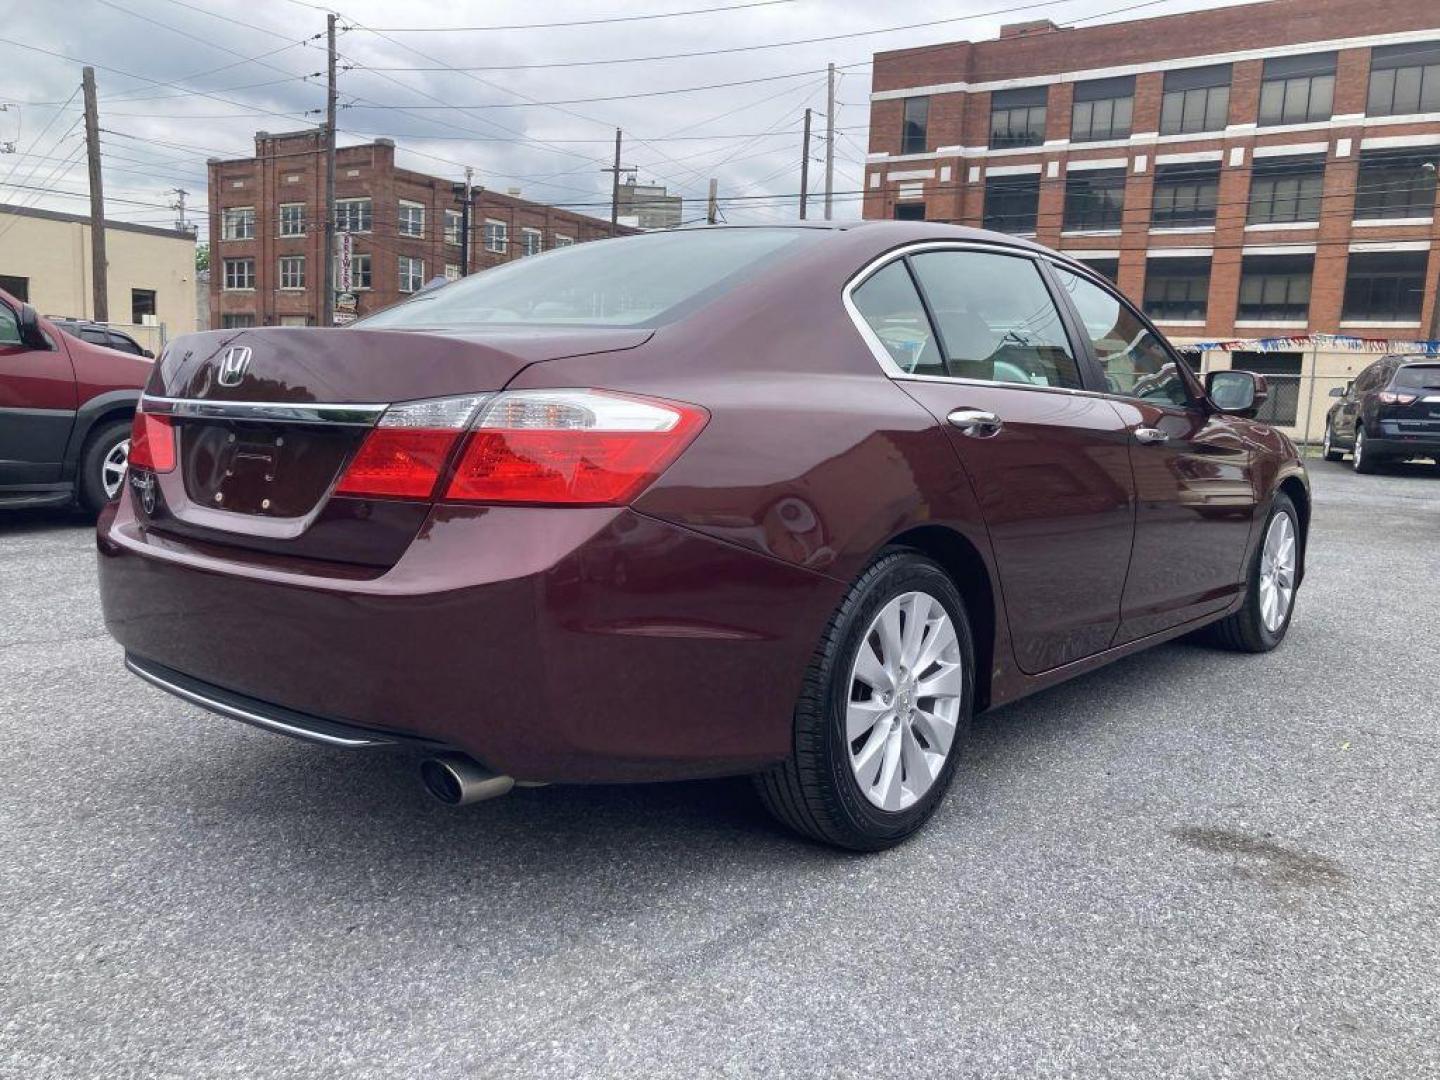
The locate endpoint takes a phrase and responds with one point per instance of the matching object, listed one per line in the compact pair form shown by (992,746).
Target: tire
(1327,448)
(818,790)
(1247,630)
(1363,461)
(97,465)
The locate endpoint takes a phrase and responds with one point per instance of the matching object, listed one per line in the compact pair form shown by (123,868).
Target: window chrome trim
(357,415)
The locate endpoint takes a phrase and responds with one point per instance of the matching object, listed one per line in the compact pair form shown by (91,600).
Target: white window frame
(407,214)
(358,260)
(497,236)
(227,277)
(452,271)
(297,262)
(412,274)
(237,223)
(561,240)
(526,234)
(292,206)
(454,222)
(345,209)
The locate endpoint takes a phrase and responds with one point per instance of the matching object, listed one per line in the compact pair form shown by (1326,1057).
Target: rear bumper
(574,645)
(1393,444)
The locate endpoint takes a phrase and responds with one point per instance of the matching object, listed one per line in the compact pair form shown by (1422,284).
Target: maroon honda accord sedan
(793,502)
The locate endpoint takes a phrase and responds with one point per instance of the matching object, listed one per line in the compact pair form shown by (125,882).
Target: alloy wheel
(112,469)
(1325,447)
(905,693)
(1359,450)
(1277,572)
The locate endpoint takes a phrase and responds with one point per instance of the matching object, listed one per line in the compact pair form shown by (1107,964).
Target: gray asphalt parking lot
(1189,864)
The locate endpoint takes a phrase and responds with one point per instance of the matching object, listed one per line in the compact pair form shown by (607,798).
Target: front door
(1194,484)
(37,407)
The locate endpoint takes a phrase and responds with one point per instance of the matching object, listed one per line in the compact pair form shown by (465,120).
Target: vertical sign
(344,280)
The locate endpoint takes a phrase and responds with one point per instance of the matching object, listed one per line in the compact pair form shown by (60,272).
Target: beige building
(45,260)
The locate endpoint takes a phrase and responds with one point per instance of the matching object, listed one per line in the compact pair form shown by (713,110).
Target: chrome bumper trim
(271,412)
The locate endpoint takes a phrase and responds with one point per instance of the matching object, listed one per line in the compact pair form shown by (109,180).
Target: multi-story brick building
(267,237)
(1247,172)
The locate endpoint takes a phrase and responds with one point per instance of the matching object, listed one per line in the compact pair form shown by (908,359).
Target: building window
(411,221)
(1275,288)
(1185,195)
(18,287)
(1396,184)
(236,321)
(1107,268)
(1012,203)
(497,236)
(563,241)
(1282,371)
(1297,89)
(239,274)
(359,271)
(1102,109)
(237,223)
(1017,117)
(532,241)
(910,211)
(412,274)
(1196,99)
(352,215)
(1286,190)
(453,223)
(292,272)
(292,219)
(1404,79)
(1177,289)
(913,133)
(142,306)
(1094,199)
(1385,286)
(452,271)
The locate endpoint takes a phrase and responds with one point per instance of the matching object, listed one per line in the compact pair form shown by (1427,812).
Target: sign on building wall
(344,278)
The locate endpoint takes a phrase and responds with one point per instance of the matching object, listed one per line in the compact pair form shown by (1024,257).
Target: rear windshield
(1417,377)
(629,281)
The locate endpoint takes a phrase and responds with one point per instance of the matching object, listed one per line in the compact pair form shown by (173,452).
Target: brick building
(1246,172)
(267,243)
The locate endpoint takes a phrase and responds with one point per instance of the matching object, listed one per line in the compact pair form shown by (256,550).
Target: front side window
(996,319)
(1396,184)
(353,215)
(1094,199)
(532,241)
(412,219)
(497,236)
(239,273)
(1286,190)
(1177,289)
(1297,89)
(1195,99)
(1017,117)
(1134,361)
(1385,286)
(237,223)
(1102,109)
(292,272)
(412,274)
(1275,288)
(1404,79)
(453,222)
(891,307)
(1185,195)
(292,219)
(914,133)
(9,326)
(1012,203)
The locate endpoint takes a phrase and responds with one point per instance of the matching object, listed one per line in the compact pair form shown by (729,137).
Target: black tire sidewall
(91,486)
(907,573)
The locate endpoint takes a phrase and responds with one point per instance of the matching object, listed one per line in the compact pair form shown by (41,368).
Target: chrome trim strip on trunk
(273,412)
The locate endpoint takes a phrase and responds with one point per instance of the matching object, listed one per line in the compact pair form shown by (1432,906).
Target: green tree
(202,256)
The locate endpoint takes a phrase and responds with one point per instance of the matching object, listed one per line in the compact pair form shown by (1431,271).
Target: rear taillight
(571,447)
(1390,397)
(403,455)
(152,442)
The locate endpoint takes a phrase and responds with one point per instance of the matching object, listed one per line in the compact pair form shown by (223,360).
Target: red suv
(65,412)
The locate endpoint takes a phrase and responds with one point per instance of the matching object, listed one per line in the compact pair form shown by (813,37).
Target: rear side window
(1132,358)
(9,327)
(996,318)
(1417,377)
(888,302)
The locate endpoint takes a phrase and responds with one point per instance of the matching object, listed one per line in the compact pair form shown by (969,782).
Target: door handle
(1151,435)
(977,423)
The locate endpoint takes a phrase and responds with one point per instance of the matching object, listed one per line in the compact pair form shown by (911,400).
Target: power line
(579,22)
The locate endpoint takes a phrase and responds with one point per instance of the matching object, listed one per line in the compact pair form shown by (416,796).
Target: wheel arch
(99,410)
(966,567)
(1299,495)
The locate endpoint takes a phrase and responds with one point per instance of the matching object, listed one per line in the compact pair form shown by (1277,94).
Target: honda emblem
(232,367)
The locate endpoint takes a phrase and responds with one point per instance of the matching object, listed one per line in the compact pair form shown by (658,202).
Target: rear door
(37,406)
(1048,463)
(1195,489)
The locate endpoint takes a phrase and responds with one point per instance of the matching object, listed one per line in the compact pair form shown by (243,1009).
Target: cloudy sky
(477,84)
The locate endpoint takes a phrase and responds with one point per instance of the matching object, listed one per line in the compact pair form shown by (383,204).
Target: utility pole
(805,166)
(327,275)
(98,262)
(712,208)
(614,172)
(465,224)
(830,143)
(179,207)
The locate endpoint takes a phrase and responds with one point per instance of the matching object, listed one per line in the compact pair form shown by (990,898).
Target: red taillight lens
(571,447)
(402,456)
(1389,397)
(152,442)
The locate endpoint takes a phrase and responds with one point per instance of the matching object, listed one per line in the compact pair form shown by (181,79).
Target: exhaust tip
(456,780)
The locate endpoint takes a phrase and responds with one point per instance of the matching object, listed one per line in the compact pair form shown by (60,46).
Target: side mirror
(1240,393)
(28,324)
(147,354)
(1337,391)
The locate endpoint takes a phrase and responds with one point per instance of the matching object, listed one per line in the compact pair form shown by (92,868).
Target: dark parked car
(105,336)
(65,413)
(1390,412)
(793,502)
